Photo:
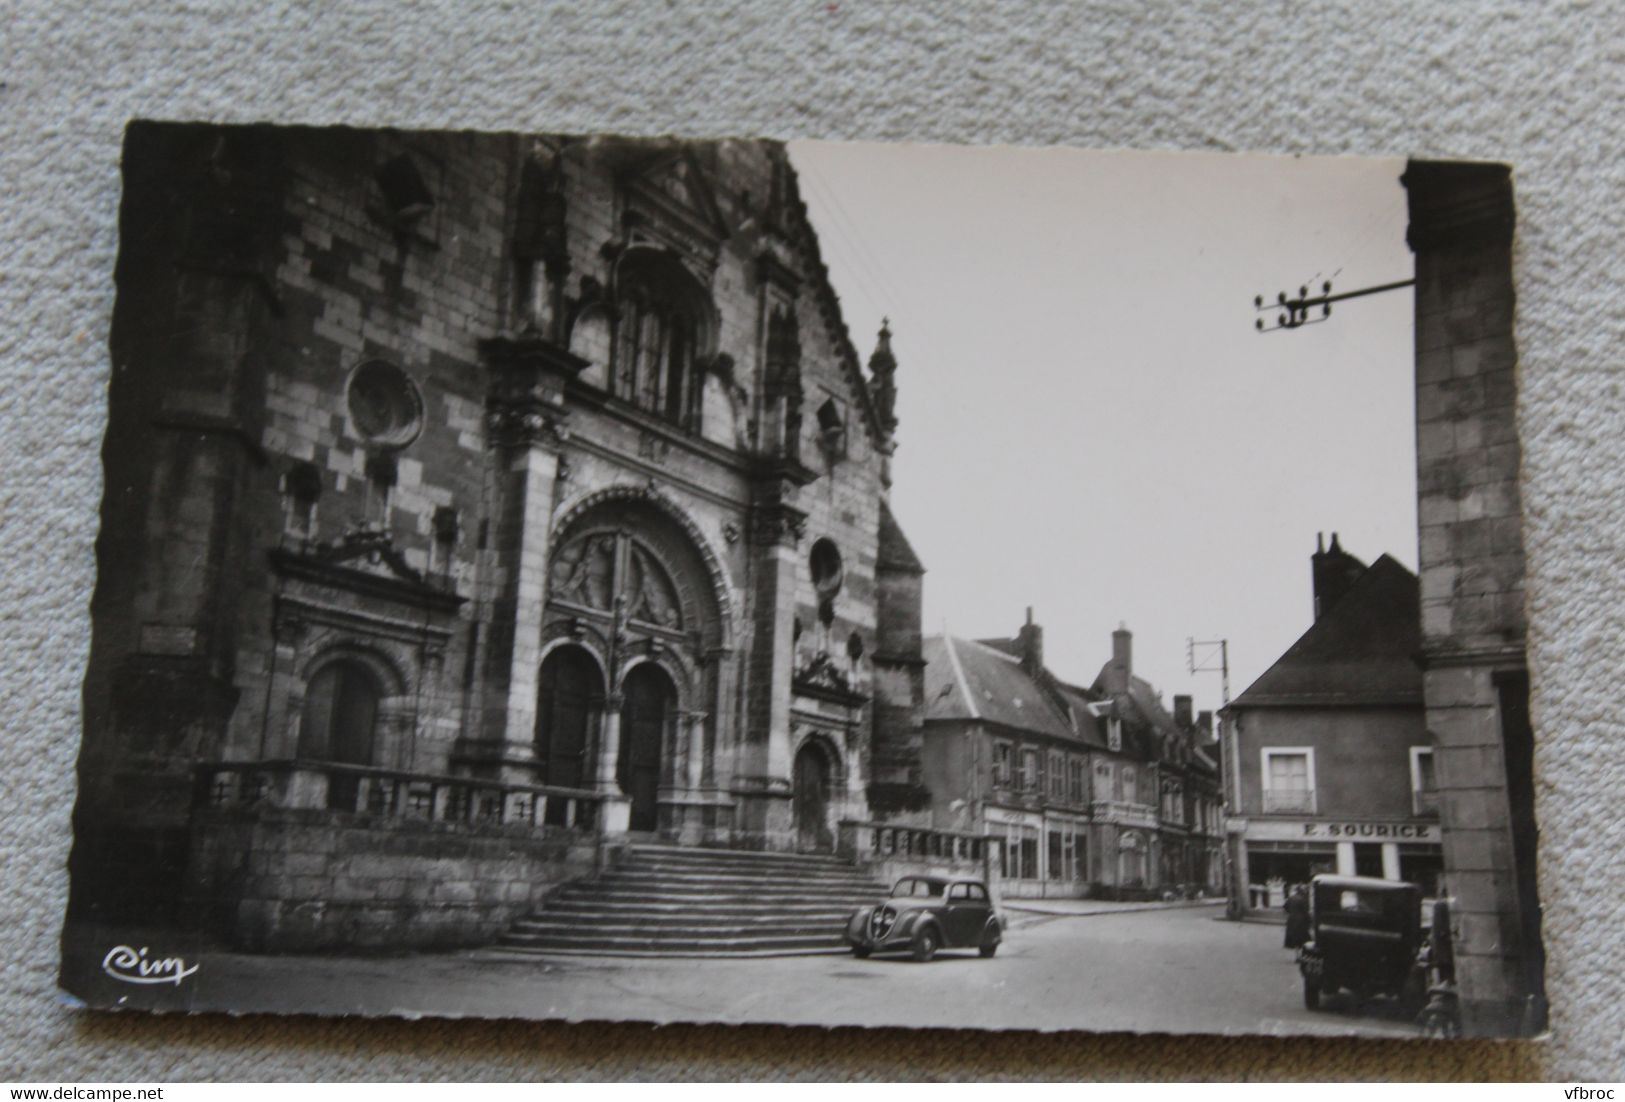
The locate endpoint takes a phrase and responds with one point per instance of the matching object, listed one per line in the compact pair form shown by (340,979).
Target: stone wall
(294,880)
(1472,585)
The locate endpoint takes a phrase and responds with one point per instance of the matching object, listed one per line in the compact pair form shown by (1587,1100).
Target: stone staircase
(663,900)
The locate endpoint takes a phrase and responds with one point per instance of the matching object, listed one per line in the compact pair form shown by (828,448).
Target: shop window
(1056,856)
(1029,855)
(1288,780)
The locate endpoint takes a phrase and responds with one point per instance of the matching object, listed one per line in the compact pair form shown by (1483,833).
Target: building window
(1075,779)
(386,408)
(1029,854)
(1289,786)
(832,429)
(658,338)
(301,490)
(1105,783)
(1029,770)
(1057,776)
(1003,755)
(1131,785)
(1424,786)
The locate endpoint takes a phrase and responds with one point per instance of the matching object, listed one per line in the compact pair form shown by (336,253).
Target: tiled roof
(965,679)
(1362,651)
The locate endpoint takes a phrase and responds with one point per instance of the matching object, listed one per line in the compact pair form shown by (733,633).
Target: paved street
(1178,970)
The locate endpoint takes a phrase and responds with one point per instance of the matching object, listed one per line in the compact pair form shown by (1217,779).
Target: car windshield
(1389,907)
(917,886)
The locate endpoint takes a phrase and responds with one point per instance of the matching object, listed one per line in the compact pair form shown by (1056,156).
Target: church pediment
(366,563)
(671,199)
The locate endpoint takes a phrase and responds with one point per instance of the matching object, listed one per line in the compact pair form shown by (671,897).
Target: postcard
(584,577)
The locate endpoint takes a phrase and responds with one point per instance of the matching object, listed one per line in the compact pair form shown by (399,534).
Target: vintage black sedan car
(1366,937)
(927,913)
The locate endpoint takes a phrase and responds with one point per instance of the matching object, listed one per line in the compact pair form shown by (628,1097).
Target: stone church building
(469,498)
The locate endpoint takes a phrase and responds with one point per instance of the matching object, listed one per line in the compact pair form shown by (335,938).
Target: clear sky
(1090,424)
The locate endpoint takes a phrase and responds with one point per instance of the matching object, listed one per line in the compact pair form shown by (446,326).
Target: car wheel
(988,949)
(925,944)
(1311,993)
(861,951)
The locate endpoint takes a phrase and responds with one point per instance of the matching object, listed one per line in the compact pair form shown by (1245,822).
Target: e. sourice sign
(1295,830)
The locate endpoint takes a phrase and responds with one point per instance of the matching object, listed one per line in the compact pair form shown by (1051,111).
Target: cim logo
(134,966)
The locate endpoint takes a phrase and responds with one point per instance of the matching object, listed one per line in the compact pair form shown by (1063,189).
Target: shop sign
(1334,830)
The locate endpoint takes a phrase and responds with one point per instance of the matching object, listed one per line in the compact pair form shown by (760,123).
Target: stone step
(694,854)
(722,943)
(656,909)
(729,883)
(676,901)
(685,929)
(722,893)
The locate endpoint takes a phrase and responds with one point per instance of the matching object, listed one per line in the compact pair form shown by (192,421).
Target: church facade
(480,486)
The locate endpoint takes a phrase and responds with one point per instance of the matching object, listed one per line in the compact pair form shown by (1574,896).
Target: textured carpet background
(1537,85)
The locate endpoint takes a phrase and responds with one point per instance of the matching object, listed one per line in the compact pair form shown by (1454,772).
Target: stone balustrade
(393,794)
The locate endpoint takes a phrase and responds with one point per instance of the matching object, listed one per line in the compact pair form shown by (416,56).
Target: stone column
(762,784)
(1471,571)
(609,744)
(1390,861)
(1345,859)
(526,423)
(695,749)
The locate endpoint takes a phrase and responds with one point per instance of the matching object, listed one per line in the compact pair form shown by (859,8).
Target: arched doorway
(810,785)
(570,697)
(338,722)
(645,716)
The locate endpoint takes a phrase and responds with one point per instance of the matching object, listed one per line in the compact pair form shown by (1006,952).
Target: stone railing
(1425,801)
(393,794)
(874,840)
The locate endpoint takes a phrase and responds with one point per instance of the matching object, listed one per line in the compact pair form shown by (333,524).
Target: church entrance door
(645,717)
(810,785)
(569,700)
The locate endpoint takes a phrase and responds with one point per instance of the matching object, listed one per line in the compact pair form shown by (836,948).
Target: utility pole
(1200,656)
(1293,313)
(1213,656)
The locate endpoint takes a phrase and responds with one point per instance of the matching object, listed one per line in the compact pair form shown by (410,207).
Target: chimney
(1333,571)
(1030,641)
(1182,711)
(1204,723)
(1122,667)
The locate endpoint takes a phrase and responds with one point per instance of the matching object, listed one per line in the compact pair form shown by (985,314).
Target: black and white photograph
(592,578)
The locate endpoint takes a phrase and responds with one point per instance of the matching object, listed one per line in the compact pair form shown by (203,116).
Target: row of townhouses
(1093,790)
